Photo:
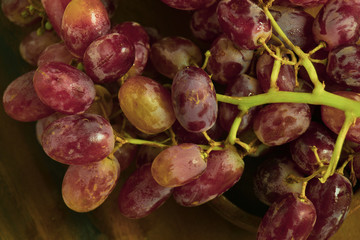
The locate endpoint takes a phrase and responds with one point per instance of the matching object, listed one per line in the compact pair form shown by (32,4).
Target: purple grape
(224,169)
(78,139)
(108,58)
(307,3)
(33,44)
(56,52)
(194,99)
(141,194)
(171,54)
(125,155)
(286,80)
(344,65)
(243,85)
(317,135)
(334,118)
(227,61)
(337,23)
(279,123)
(178,165)
(296,24)
(189,4)
(64,88)
(21,102)
(290,217)
(332,202)
(204,23)
(244,23)
(270,180)
(137,35)
(42,124)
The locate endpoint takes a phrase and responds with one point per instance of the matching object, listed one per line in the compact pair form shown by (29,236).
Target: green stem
(234,128)
(305,61)
(349,120)
(321,98)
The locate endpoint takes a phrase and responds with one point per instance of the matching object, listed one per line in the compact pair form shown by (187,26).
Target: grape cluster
(105,95)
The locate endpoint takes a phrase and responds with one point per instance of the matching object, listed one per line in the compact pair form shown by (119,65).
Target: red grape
(83,21)
(227,61)
(108,58)
(194,99)
(21,102)
(85,187)
(178,165)
(291,217)
(224,169)
(141,194)
(14,10)
(64,88)
(244,23)
(56,52)
(55,11)
(279,123)
(171,54)
(146,104)
(189,4)
(78,139)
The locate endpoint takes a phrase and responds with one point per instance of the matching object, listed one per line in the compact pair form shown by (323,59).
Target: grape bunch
(266,74)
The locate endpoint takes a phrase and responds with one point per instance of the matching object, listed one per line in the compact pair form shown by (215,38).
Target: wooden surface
(31,206)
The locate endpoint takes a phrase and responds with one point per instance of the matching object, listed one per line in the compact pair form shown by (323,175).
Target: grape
(194,99)
(224,169)
(56,52)
(189,4)
(315,136)
(308,3)
(227,61)
(85,187)
(243,85)
(334,118)
(178,165)
(337,23)
(21,102)
(244,23)
(78,139)
(271,181)
(146,104)
(204,23)
(291,217)
(332,202)
(108,58)
(125,155)
(141,194)
(343,65)
(279,123)
(55,11)
(356,165)
(137,35)
(83,21)
(171,54)
(296,24)
(33,44)
(110,6)
(286,80)
(14,10)
(64,88)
